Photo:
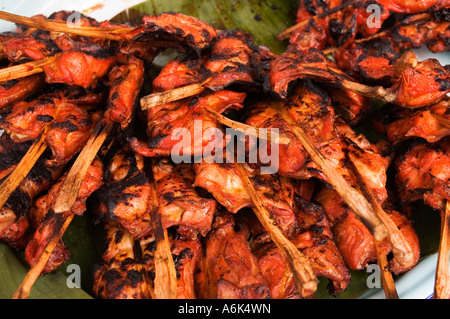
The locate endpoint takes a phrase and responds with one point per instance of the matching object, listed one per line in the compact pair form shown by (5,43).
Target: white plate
(417,283)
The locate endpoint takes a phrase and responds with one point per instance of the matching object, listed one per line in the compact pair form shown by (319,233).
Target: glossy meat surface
(179,203)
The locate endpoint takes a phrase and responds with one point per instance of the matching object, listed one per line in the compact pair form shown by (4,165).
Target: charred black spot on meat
(9,84)
(155,140)
(67,125)
(114,193)
(168,196)
(134,277)
(178,259)
(444,84)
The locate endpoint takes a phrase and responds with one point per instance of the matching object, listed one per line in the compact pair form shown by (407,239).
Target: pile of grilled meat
(219,247)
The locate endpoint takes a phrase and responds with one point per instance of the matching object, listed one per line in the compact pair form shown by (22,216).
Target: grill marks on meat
(125,197)
(400,124)
(373,61)
(127,270)
(180,204)
(421,84)
(183,116)
(422,172)
(69,132)
(281,73)
(27,119)
(336,140)
(15,225)
(228,62)
(120,275)
(313,236)
(310,107)
(229,270)
(224,183)
(353,239)
(36,45)
(416,84)
(126,81)
(302,223)
(337,29)
(186,33)
(187,254)
(46,222)
(67,125)
(14,91)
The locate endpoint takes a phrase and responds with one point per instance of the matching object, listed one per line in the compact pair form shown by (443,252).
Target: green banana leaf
(85,247)
(264,20)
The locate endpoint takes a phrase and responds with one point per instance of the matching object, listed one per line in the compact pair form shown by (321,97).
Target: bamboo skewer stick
(442,280)
(401,249)
(387,280)
(352,197)
(285,34)
(22,169)
(251,130)
(25,69)
(64,27)
(160,98)
(442,120)
(24,289)
(376,92)
(304,277)
(75,177)
(166,277)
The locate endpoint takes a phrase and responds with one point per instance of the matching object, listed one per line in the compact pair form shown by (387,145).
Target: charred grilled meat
(400,124)
(45,221)
(14,91)
(125,197)
(229,62)
(121,275)
(184,124)
(224,182)
(422,173)
(229,270)
(179,203)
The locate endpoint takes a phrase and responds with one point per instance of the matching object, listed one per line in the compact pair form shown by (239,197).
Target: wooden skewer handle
(72,184)
(165,273)
(442,282)
(251,130)
(304,277)
(352,197)
(22,169)
(25,69)
(386,276)
(24,289)
(64,27)
(160,98)
(401,249)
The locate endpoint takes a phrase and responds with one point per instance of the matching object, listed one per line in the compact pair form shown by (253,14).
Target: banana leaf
(85,251)
(264,20)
